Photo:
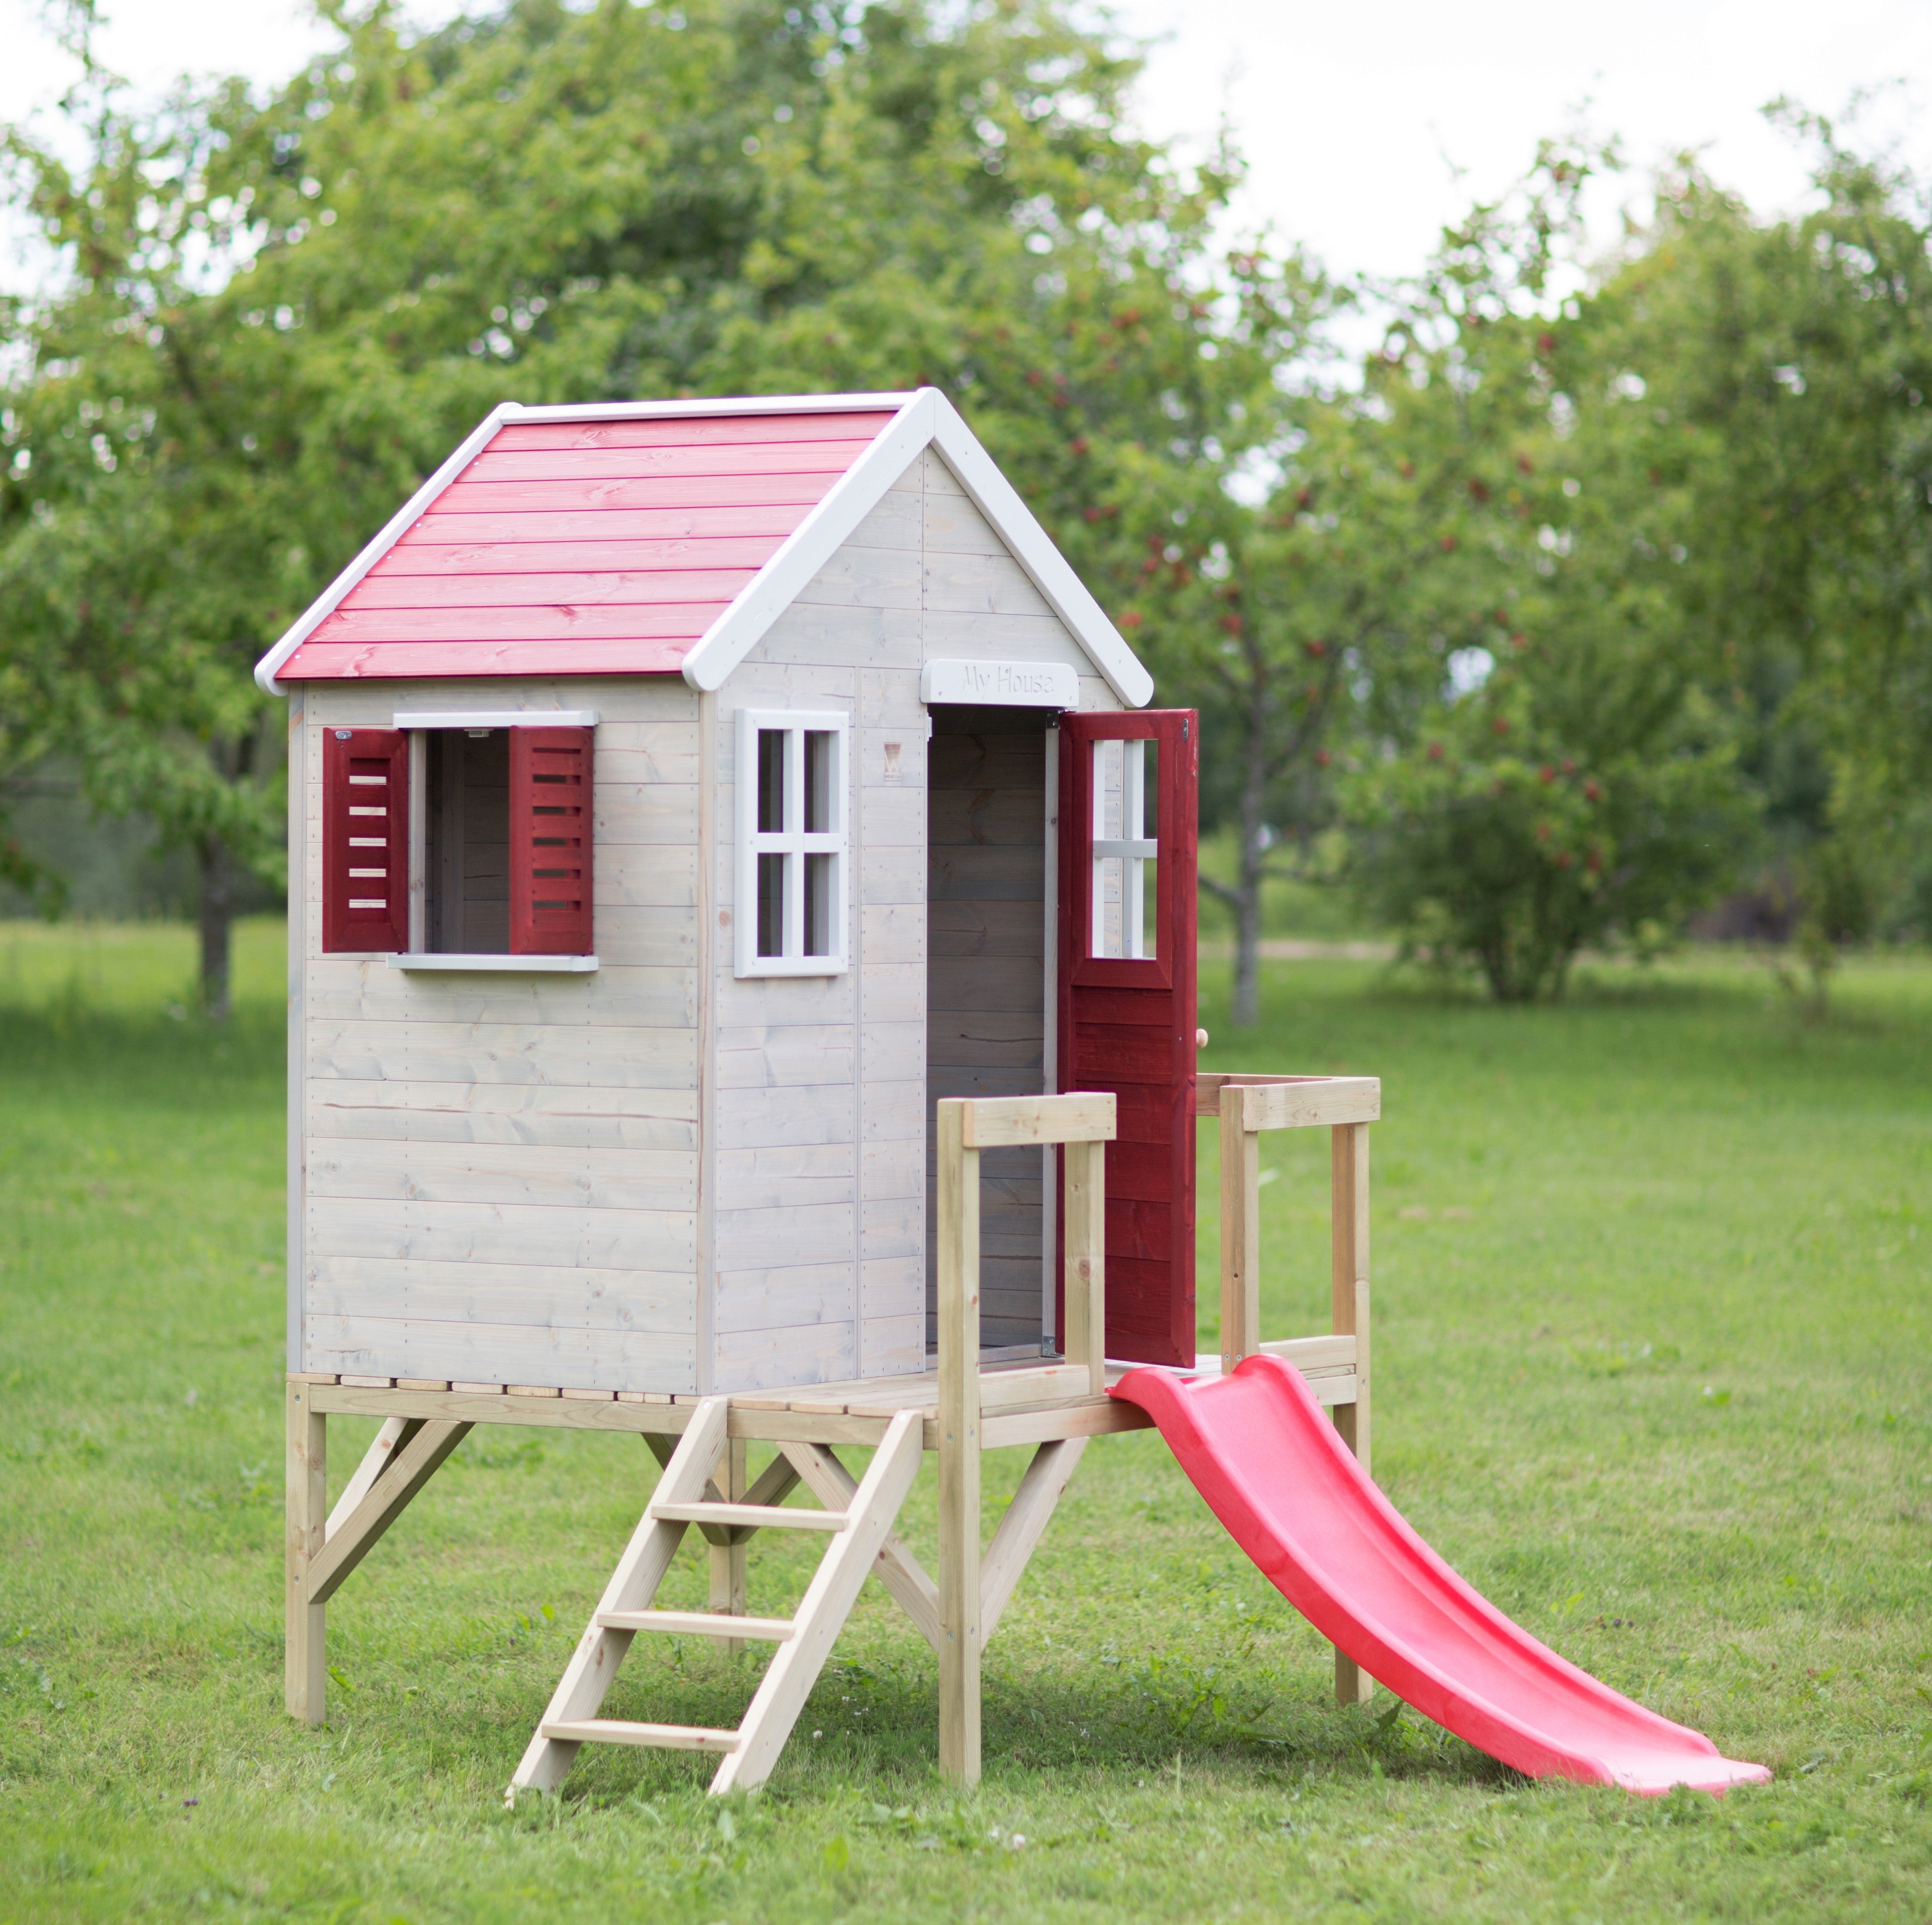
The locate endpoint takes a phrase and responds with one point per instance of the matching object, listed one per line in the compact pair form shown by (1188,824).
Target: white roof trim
(736,404)
(927,418)
(398,525)
(1051,573)
(923,418)
(739,628)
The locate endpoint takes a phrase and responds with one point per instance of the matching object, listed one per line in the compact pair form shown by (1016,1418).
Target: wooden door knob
(1201,1039)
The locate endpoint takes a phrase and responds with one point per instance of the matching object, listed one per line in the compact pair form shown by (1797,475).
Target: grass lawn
(1652,1274)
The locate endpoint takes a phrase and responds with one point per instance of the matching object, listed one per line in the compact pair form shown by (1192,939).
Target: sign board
(1001,684)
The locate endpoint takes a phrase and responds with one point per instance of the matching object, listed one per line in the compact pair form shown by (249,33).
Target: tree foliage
(275,316)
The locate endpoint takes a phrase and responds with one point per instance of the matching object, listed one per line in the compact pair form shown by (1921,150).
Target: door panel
(1126,964)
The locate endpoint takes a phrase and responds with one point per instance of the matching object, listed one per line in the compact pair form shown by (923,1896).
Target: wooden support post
(727,1561)
(1240,1230)
(1086,1214)
(957,1263)
(1349,1277)
(306,1663)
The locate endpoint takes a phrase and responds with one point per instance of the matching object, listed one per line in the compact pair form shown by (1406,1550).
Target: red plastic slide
(1275,1471)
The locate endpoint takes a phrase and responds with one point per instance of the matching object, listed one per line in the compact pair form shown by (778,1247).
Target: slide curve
(1274,1470)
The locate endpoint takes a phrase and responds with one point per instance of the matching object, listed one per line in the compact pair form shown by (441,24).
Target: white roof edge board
(739,628)
(928,418)
(398,524)
(736,404)
(1050,572)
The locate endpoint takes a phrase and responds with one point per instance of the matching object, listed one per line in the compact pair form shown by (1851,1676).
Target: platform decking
(1023,1403)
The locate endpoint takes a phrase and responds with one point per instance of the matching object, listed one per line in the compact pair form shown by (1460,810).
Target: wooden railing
(1085,1124)
(1247,1106)
(1336,1365)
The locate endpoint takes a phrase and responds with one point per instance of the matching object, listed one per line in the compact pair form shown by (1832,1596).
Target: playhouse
(742,984)
(677,797)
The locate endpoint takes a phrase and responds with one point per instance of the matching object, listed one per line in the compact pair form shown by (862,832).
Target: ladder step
(622,1731)
(762,1516)
(699,1623)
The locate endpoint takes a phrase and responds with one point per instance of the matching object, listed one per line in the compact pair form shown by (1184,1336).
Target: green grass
(1651,1277)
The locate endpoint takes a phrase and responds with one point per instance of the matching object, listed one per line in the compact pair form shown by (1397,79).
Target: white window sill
(573,966)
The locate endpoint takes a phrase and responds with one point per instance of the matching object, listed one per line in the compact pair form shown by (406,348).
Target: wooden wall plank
(585,1056)
(784,1296)
(518,1294)
(348,989)
(502,1353)
(754,1238)
(540,1174)
(772,1359)
(519,1233)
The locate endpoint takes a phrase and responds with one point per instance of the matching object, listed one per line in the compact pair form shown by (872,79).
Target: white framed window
(1126,848)
(794,843)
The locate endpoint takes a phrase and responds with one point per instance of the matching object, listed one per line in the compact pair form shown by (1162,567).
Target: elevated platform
(1020,1403)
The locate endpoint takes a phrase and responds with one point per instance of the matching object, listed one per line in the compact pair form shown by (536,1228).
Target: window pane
(819,801)
(1126,850)
(771,785)
(771,904)
(818,877)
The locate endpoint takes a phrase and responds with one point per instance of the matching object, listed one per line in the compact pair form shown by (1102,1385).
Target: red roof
(585,547)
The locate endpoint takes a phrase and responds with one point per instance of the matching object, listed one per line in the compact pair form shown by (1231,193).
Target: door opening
(989,945)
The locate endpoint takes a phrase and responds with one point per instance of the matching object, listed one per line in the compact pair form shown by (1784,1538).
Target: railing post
(1086,1211)
(957,1261)
(1348,1188)
(1240,1230)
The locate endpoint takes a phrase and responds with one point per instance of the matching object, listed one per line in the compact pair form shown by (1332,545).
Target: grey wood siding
(499,1172)
(825,1079)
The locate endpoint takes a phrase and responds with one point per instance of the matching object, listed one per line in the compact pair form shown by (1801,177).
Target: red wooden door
(1126,960)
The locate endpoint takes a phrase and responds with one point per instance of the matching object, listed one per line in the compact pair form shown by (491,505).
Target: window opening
(468,844)
(1127,849)
(793,845)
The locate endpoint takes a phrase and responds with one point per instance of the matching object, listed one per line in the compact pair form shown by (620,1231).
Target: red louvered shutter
(365,839)
(550,842)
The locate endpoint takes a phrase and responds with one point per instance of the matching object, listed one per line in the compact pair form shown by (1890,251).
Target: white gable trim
(739,629)
(927,418)
(397,526)
(1052,574)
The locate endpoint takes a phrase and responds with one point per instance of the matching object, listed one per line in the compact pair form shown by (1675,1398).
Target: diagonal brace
(896,1568)
(413,1466)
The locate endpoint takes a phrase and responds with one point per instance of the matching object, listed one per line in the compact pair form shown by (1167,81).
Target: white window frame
(793,842)
(1133,851)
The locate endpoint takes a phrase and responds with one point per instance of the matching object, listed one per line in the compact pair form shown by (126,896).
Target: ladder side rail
(827,1601)
(901,1573)
(633,1584)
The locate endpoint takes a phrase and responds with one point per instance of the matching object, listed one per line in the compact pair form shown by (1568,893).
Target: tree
(1555,771)
(276,315)
(1792,361)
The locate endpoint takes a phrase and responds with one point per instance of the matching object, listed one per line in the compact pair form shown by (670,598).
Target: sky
(1365,128)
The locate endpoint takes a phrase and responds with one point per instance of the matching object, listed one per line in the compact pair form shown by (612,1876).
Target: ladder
(686,1496)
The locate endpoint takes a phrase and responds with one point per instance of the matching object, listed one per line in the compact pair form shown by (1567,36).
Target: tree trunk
(217,923)
(1246,894)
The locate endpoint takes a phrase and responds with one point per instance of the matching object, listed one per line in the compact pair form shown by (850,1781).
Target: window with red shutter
(550,842)
(365,839)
